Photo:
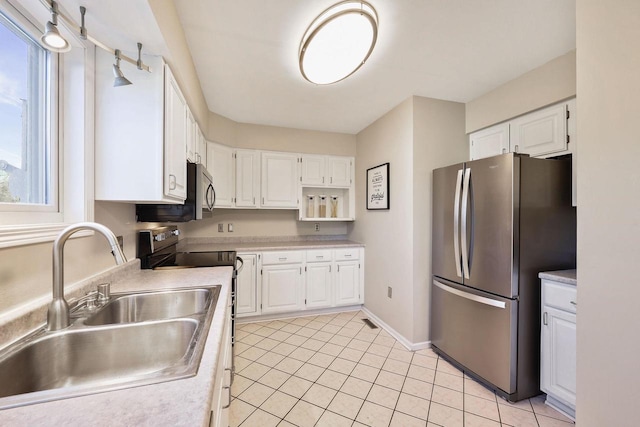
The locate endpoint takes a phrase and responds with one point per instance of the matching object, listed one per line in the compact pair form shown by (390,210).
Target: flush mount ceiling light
(338,42)
(51,37)
(120,79)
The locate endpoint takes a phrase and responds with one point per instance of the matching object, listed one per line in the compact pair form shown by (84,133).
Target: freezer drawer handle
(456,223)
(472,297)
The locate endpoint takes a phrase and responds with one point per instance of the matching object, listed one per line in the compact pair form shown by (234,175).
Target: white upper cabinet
(279,180)
(192,136)
(541,132)
(175,137)
(329,171)
(247,178)
(313,169)
(339,171)
(490,141)
(201,146)
(220,166)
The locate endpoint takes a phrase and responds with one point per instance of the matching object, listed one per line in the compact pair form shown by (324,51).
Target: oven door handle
(239,269)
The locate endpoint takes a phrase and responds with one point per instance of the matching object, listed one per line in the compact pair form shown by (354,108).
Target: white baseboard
(401,339)
(293,314)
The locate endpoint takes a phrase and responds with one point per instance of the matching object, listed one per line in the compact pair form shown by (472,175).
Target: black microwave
(201,196)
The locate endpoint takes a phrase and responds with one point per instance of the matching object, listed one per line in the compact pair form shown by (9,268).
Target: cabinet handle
(263,200)
(575,304)
(254,200)
(347,255)
(516,149)
(323,179)
(172,186)
(319,256)
(504,150)
(338,268)
(228,388)
(282,259)
(329,269)
(331,180)
(544,319)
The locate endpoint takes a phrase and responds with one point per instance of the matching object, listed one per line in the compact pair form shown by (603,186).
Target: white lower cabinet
(282,289)
(319,280)
(558,345)
(247,289)
(347,282)
(222,382)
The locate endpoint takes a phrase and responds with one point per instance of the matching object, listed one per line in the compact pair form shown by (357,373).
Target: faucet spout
(58,314)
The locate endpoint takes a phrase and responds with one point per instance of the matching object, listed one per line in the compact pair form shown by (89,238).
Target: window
(27,182)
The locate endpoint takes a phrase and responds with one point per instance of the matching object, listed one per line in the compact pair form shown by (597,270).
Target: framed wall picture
(378,187)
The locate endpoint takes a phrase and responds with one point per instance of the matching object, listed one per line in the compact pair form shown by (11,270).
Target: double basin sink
(134,339)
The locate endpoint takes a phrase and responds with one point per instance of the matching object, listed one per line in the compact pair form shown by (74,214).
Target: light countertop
(240,246)
(184,402)
(562,276)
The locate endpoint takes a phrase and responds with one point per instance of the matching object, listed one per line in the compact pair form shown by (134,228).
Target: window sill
(21,235)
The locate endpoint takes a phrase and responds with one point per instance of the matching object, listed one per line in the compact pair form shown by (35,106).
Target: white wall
(608,83)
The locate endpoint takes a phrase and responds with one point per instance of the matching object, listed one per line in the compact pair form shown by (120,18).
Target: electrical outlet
(316,226)
(220,228)
(389,291)
(230,228)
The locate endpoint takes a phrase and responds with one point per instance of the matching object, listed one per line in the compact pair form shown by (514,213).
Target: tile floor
(333,370)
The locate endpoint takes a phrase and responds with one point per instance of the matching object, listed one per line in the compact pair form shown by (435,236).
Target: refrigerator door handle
(471,297)
(465,203)
(456,223)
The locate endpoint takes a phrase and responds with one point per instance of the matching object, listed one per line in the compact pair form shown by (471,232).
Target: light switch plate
(220,228)
(230,228)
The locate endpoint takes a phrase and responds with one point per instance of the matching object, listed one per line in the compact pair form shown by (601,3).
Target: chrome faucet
(58,314)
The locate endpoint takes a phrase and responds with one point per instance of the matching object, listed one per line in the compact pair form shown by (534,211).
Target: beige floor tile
(280,335)
(312,344)
(304,414)
(267,344)
(279,404)
(284,423)
(513,416)
(276,324)
(391,380)
(417,388)
(351,354)
(443,366)
(306,332)
(374,415)
(453,382)
(295,340)
(482,407)
(356,387)
(342,365)
(289,365)
(240,384)
(414,406)
(301,321)
(240,348)
(427,352)
(364,372)
(424,361)
(265,332)
(446,396)
(379,350)
(302,354)
(348,332)
(270,359)
(385,341)
(541,408)
(332,379)
(322,336)
(383,396)
(242,363)
(274,378)
(445,416)
(340,340)
(356,344)
(256,394)
(319,395)
(251,327)
(346,405)
(254,371)
(309,372)
(401,355)
(372,360)
(239,411)
(329,419)
(262,419)
(365,336)
(471,420)
(295,387)
(422,374)
(545,421)
(474,388)
(396,366)
(321,359)
(522,404)
(403,420)
(339,321)
(284,349)
(332,329)
(331,349)
(316,325)
(290,328)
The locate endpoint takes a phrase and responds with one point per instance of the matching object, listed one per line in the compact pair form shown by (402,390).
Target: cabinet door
(175,157)
(220,166)
(339,171)
(201,146)
(247,178)
(313,169)
(558,361)
(319,281)
(191,137)
(489,142)
(541,132)
(347,283)
(247,286)
(282,288)
(279,180)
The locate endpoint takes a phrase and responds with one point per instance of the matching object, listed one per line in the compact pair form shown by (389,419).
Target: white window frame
(73,136)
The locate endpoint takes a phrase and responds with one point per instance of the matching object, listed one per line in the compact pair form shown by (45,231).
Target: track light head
(51,38)
(120,79)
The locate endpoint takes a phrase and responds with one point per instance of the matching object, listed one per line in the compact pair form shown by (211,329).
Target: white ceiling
(245,53)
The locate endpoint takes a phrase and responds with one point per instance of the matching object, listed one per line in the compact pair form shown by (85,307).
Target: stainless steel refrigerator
(497,222)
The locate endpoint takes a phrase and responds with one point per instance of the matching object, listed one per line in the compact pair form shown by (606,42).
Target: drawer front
(319,255)
(282,257)
(560,295)
(347,254)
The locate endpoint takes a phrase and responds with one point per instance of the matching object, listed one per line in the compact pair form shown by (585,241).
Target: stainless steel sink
(160,344)
(142,307)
